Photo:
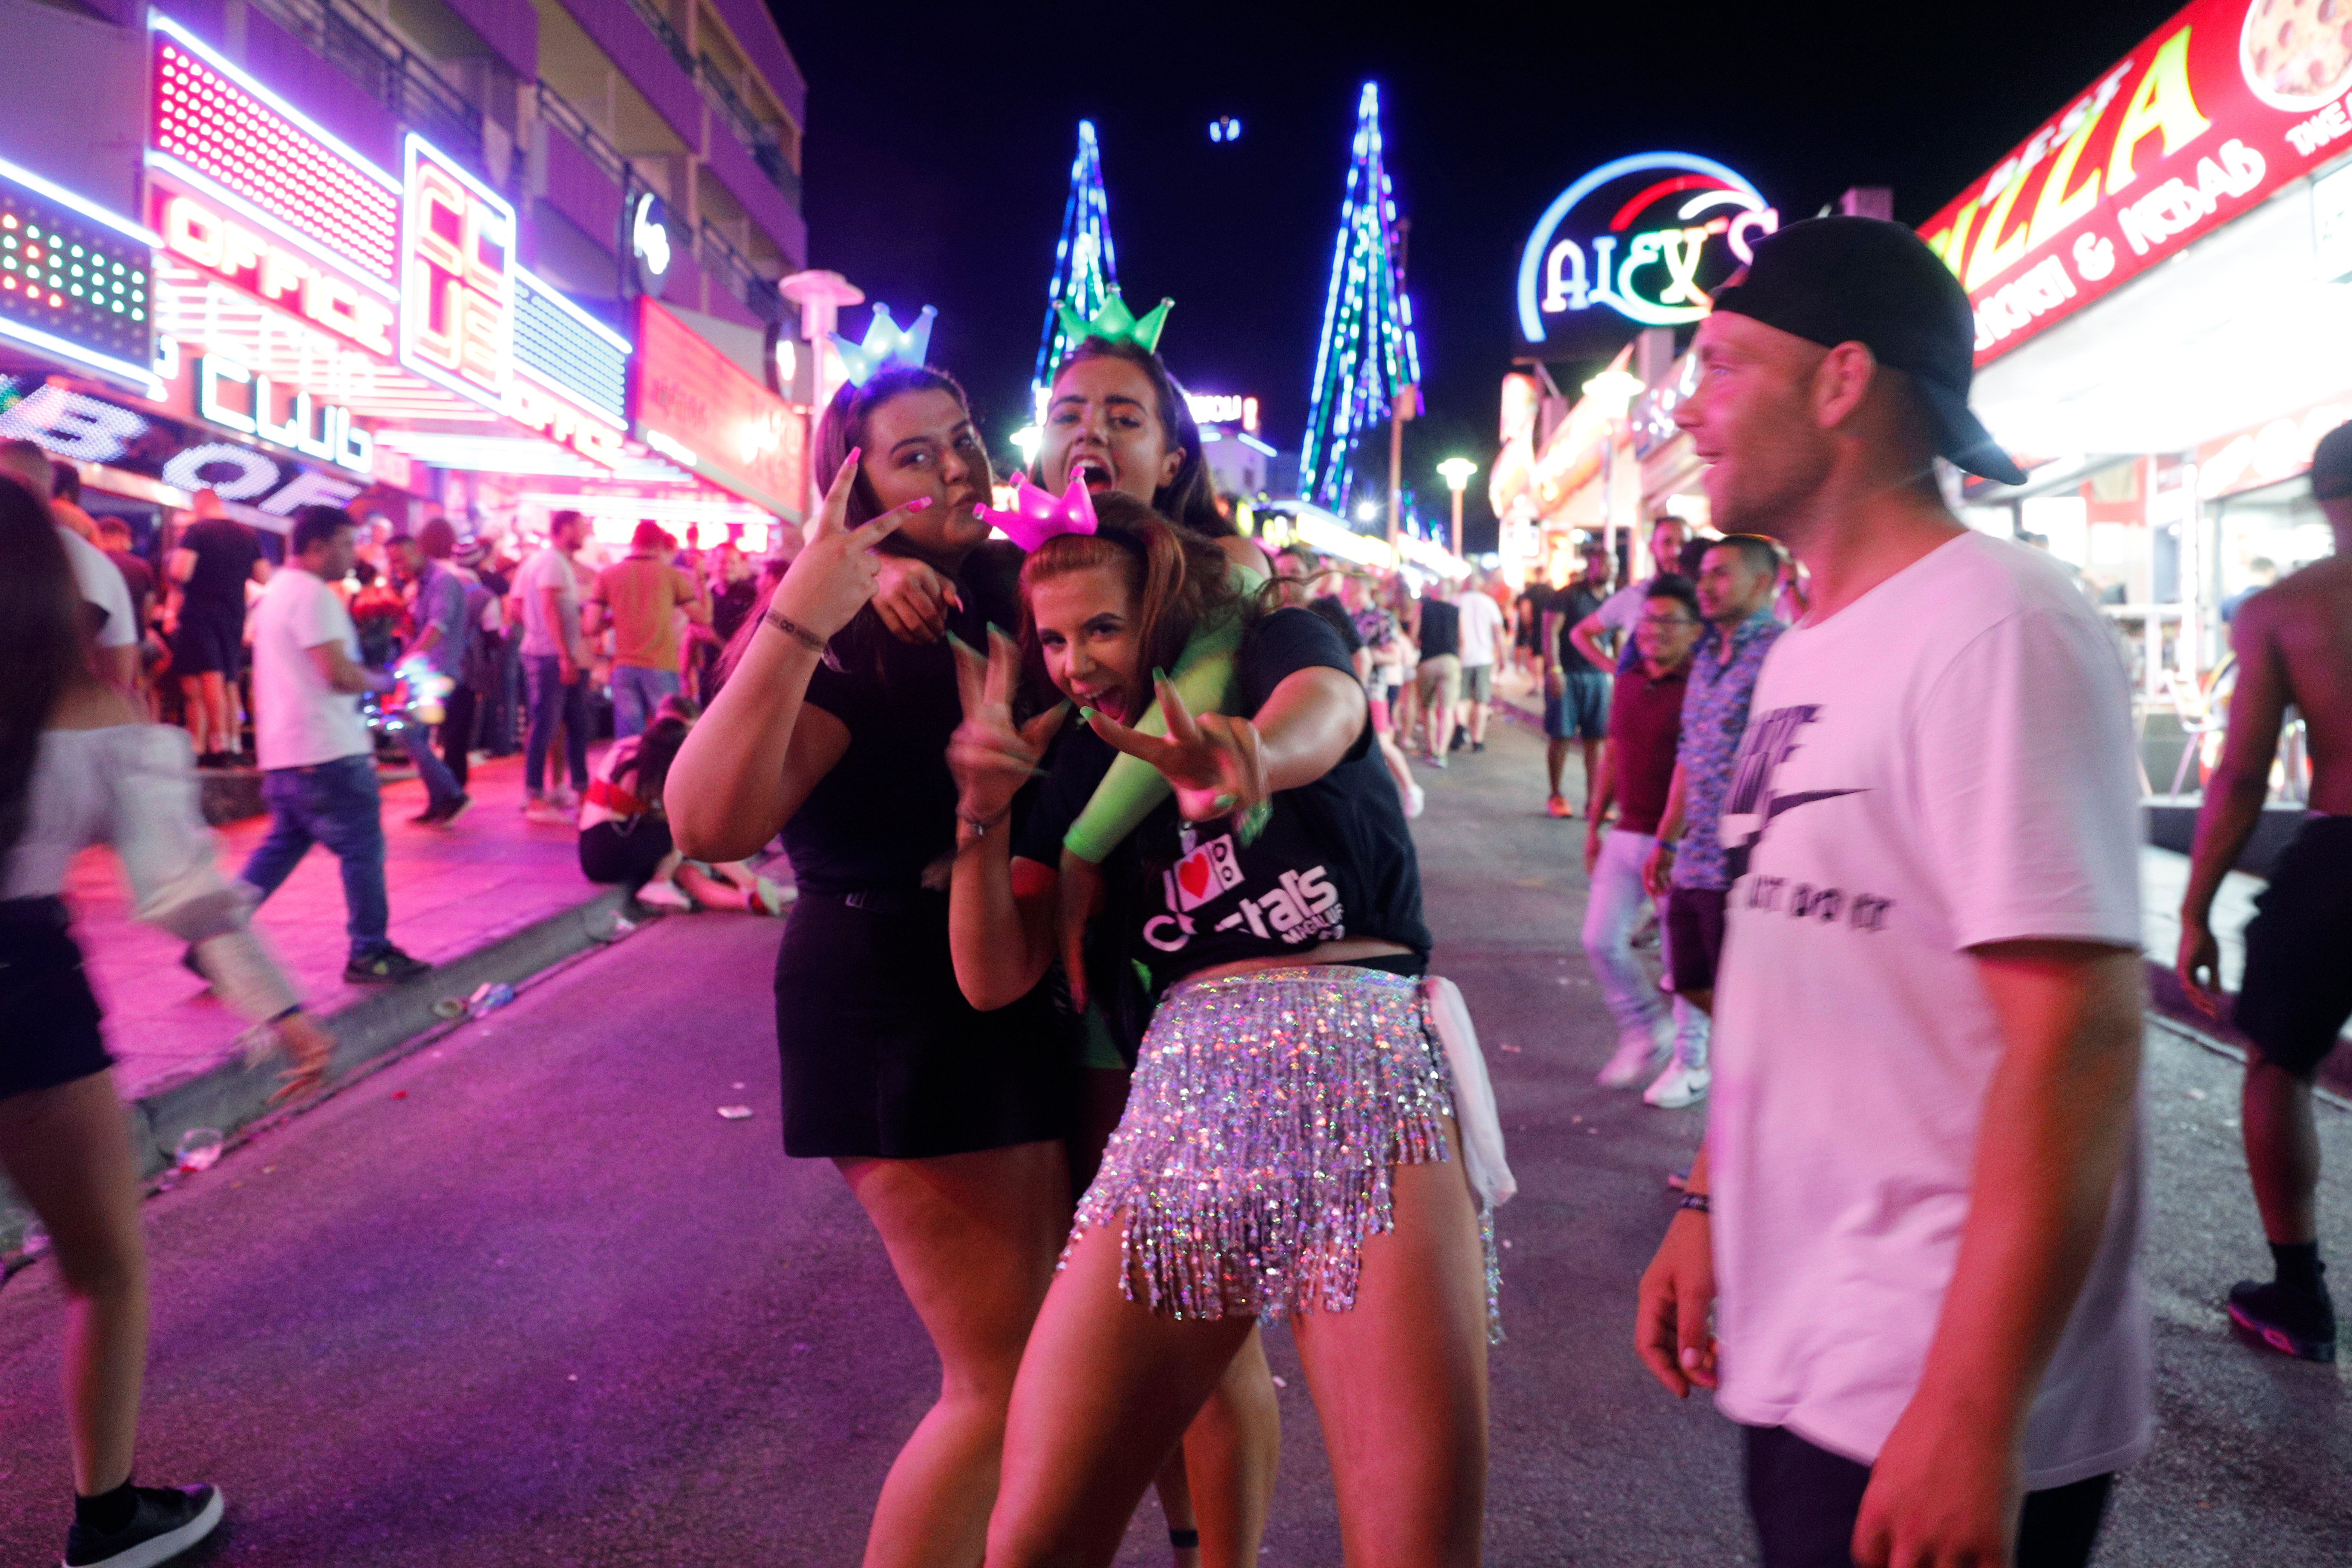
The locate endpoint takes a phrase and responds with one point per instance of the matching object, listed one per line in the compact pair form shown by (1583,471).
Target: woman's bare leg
(972,1238)
(1232,1450)
(711,893)
(1104,1397)
(1400,1383)
(66,1149)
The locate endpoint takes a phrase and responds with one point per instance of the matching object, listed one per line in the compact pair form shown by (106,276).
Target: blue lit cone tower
(1367,359)
(1086,266)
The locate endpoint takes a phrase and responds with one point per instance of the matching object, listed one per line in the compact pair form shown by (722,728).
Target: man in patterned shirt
(1689,869)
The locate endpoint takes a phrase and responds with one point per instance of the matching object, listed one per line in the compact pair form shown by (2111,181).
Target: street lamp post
(1456,472)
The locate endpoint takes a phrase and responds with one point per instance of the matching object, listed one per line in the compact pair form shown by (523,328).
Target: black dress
(882,1055)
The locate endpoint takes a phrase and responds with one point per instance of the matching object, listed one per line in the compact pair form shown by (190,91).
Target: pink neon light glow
(1632,209)
(214,126)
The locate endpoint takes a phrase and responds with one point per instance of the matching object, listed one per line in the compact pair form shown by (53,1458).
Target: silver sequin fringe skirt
(1253,1160)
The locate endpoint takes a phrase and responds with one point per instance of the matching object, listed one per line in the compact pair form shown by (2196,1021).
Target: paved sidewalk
(455,891)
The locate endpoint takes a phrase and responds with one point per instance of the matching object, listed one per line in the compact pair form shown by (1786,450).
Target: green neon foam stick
(1203,677)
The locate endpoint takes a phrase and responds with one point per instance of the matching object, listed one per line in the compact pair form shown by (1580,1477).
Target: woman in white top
(79,766)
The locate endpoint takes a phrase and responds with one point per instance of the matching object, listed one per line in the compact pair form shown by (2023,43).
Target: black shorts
(1581,712)
(884,1058)
(2297,990)
(625,853)
(1693,936)
(207,641)
(1806,1500)
(50,1035)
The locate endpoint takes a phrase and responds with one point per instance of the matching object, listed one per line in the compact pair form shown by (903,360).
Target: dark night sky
(940,141)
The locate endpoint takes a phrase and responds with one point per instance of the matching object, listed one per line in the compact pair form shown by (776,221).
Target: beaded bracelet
(1695,1202)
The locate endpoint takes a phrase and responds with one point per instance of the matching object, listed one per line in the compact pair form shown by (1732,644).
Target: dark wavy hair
(1189,498)
(40,644)
(841,428)
(647,767)
(1178,578)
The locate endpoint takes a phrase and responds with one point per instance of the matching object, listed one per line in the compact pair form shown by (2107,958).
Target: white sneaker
(1640,1052)
(1416,800)
(665,894)
(774,897)
(1676,1087)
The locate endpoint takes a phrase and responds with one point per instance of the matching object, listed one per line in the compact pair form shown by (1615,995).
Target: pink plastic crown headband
(1037,516)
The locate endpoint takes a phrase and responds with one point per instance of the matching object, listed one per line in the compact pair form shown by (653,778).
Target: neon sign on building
(226,133)
(457,287)
(250,258)
(1644,239)
(75,281)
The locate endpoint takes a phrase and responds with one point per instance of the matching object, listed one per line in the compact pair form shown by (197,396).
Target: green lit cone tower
(1367,359)
(1085,266)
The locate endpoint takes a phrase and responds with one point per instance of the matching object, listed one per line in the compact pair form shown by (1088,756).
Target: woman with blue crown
(947,1123)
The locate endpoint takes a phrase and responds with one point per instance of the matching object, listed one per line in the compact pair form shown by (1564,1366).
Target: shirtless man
(2294,649)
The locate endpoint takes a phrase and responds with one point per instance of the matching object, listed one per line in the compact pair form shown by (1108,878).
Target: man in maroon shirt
(1637,766)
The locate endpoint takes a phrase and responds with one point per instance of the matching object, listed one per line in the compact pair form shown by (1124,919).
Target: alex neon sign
(324,431)
(1645,237)
(456,292)
(201,233)
(2222,105)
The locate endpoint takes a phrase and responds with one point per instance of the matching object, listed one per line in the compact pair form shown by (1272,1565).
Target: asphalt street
(525,1297)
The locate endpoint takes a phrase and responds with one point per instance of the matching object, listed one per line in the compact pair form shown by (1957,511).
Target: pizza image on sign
(2297,54)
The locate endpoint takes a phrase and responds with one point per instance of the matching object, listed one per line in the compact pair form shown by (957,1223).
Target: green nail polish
(958,642)
(1087,714)
(1224,803)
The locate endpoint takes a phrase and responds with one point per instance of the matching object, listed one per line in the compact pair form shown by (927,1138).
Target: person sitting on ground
(625,831)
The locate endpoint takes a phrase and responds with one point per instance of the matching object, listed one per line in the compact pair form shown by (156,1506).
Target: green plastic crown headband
(1115,323)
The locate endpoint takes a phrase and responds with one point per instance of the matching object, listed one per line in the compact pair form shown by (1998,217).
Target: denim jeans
(503,735)
(441,786)
(550,700)
(335,804)
(636,692)
(1610,912)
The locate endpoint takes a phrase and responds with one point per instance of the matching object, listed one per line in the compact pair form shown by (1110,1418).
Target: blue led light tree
(1367,360)
(1086,265)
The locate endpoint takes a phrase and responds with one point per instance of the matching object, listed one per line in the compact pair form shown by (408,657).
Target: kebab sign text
(2228,102)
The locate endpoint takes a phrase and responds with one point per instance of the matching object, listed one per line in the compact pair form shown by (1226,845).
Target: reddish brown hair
(1177,577)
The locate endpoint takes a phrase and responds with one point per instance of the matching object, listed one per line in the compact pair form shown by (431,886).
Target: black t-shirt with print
(1335,860)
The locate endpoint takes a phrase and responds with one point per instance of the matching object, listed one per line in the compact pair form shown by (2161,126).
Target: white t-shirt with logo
(1946,763)
(551,568)
(300,720)
(1482,623)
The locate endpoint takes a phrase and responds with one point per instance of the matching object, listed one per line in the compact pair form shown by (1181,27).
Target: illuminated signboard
(75,281)
(2222,105)
(570,352)
(456,288)
(697,407)
(200,230)
(2278,449)
(294,421)
(92,429)
(234,139)
(1223,408)
(1637,243)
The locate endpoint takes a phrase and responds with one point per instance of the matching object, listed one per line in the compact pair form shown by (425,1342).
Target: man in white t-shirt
(318,759)
(1916,1214)
(1486,641)
(554,659)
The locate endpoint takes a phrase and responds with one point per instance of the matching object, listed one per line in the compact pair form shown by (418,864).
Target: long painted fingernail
(958,642)
(854,453)
(1087,714)
(1224,803)
(918,503)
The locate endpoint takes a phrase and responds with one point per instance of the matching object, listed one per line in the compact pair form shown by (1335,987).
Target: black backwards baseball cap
(2331,465)
(1834,281)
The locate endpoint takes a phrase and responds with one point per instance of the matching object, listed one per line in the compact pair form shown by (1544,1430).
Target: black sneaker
(167,1523)
(1477,746)
(2291,1321)
(455,809)
(385,966)
(1461,738)
(427,818)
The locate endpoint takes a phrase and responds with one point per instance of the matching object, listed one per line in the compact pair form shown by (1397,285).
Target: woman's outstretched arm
(740,775)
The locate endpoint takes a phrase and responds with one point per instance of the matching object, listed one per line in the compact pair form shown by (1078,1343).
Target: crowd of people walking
(1109,988)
